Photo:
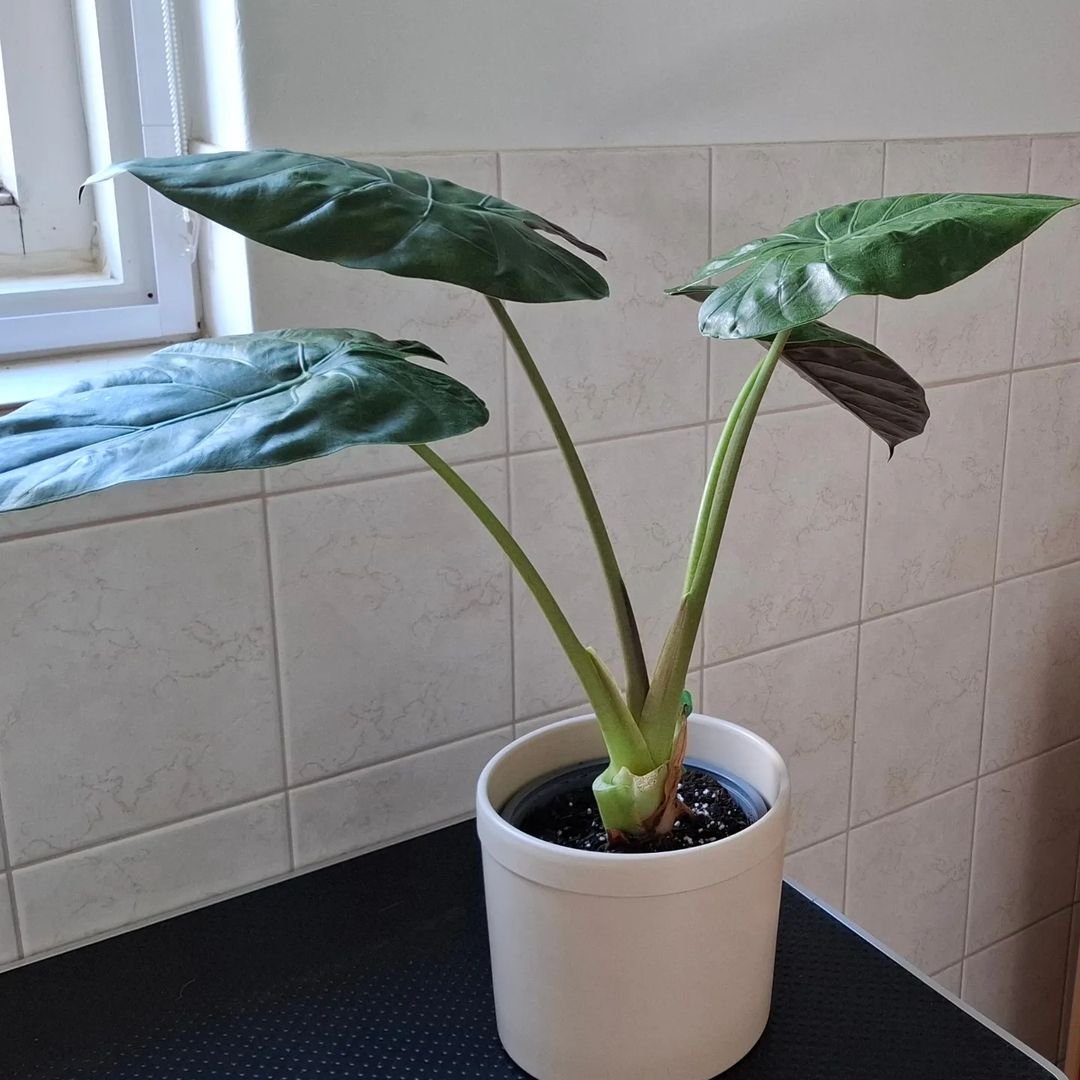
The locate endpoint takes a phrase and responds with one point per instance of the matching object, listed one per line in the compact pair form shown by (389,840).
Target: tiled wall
(213,682)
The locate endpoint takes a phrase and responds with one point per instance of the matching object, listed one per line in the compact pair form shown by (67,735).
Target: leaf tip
(698,293)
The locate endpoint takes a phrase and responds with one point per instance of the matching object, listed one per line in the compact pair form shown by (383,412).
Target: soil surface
(571,819)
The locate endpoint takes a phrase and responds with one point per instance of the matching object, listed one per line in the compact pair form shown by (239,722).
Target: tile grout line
(858,657)
(573,709)
(122,519)
(1016,933)
(1075,920)
(250,800)
(1067,990)
(1069,743)
(941,971)
(160,826)
(979,759)
(478,459)
(588,441)
(1002,137)
(279,684)
(969,907)
(704,629)
(481,459)
(814,843)
(5,855)
(307,867)
(701,645)
(509,495)
(1064,564)
(230,894)
(862,596)
(302,785)
(326,779)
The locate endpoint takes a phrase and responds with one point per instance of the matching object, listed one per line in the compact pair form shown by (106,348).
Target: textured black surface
(378,968)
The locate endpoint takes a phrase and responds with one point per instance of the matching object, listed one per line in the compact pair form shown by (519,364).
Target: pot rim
(490,821)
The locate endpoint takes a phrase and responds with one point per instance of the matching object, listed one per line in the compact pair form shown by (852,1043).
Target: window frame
(145,291)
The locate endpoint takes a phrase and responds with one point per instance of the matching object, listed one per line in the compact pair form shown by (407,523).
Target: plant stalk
(622,737)
(662,706)
(637,672)
(709,494)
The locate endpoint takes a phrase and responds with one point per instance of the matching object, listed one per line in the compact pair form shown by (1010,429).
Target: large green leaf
(859,377)
(244,402)
(855,374)
(900,247)
(373,218)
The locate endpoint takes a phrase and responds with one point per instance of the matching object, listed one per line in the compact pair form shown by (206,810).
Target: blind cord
(177,107)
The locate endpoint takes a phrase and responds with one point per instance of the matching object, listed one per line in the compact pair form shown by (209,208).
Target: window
(84,83)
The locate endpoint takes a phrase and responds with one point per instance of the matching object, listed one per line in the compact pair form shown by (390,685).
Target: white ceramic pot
(632,967)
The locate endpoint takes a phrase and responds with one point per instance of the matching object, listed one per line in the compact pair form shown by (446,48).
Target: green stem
(662,706)
(713,478)
(637,672)
(621,735)
(732,451)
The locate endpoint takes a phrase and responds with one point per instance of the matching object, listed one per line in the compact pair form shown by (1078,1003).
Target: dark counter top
(377,968)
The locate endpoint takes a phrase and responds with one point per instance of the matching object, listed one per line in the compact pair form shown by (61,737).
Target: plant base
(594,954)
(561,810)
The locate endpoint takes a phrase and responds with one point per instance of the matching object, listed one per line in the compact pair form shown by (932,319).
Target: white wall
(212,54)
(375,75)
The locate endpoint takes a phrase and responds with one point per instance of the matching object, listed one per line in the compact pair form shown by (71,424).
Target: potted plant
(633,857)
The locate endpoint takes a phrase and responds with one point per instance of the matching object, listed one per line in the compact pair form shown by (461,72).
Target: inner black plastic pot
(540,792)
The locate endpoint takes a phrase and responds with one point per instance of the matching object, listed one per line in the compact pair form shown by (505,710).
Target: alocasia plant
(265,399)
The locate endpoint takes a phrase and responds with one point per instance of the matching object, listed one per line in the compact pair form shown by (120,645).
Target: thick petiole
(637,673)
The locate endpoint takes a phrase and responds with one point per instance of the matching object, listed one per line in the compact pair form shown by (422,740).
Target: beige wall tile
(1040,503)
(968,328)
(695,683)
(393,609)
(1026,831)
(759,189)
(1033,683)
(1072,958)
(382,803)
(1048,327)
(932,517)
(90,892)
(950,978)
(136,677)
(918,719)
(789,561)
(156,696)
(819,870)
(907,878)
(648,488)
(1018,983)
(634,362)
(524,727)
(801,698)
(132,500)
(8,948)
(457,323)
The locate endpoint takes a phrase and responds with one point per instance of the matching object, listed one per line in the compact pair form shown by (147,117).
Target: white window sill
(25,380)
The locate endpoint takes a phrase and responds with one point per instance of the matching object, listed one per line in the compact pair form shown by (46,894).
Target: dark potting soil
(571,819)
